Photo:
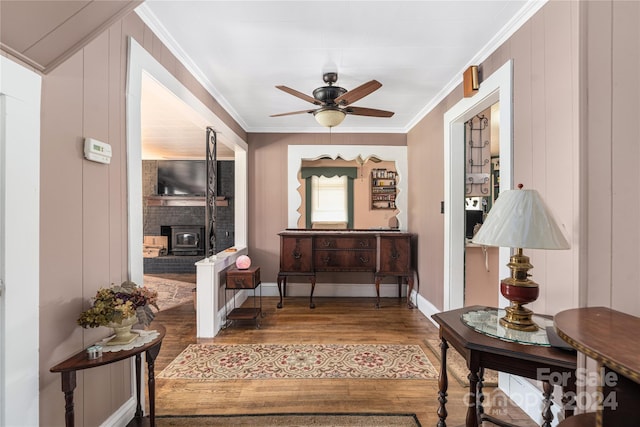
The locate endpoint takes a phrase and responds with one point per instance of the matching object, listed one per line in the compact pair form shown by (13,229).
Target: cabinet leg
(312,279)
(281,279)
(377,280)
(409,291)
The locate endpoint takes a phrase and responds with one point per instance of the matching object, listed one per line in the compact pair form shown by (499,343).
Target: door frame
(498,87)
(20,99)
(142,62)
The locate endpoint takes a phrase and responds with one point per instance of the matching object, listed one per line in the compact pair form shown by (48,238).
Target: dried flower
(113,304)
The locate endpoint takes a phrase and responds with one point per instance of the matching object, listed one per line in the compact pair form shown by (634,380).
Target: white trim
(123,415)
(426,308)
(20,90)
(297,153)
(496,87)
(529,398)
(332,290)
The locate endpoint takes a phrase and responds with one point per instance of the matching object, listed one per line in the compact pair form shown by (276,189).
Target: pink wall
(545,54)
(268,187)
(84,210)
(481,285)
(610,154)
(576,104)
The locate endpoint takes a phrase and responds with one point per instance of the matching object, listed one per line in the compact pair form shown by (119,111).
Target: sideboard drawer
(339,242)
(345,260)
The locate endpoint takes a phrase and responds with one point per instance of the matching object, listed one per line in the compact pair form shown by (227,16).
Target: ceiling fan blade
(299,95)
(291,113)
(360,111)
(358,93)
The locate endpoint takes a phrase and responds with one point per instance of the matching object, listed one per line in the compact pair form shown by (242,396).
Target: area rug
(293,361)
(171,293)
(297,420)
(457,366)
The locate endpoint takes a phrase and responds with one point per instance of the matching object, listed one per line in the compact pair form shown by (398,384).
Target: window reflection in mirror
(342,194)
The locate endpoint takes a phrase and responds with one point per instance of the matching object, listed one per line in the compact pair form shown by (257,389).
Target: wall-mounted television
(182,177)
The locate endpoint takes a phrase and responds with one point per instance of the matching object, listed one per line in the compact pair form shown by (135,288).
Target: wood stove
(184,239)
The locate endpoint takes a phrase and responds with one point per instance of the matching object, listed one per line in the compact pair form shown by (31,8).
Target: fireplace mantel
(175,200)
(181,201)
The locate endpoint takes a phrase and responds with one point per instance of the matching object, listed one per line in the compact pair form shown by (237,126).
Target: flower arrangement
(112,305)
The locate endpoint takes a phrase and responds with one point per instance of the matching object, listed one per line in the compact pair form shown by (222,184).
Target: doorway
(482,181)
(144,70)
(496,88)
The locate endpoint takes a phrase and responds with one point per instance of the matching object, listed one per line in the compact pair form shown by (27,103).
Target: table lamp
(520,219)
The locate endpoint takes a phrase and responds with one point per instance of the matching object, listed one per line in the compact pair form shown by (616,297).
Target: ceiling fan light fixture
(329,117)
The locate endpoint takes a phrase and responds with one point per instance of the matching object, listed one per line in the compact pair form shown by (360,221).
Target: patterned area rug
(267,361)
(171,293)
(457,366)
(298,420)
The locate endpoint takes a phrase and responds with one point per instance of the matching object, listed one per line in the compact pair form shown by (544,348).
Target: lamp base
(519,290)
(519,318)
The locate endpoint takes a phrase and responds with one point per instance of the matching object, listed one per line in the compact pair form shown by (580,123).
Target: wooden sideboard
(384,253)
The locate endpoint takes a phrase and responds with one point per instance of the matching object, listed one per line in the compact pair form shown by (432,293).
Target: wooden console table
(383,253)
(79,361)
(484,352)
(611,338)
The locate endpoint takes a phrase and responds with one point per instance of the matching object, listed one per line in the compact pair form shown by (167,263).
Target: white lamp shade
(520,219)
(330,117)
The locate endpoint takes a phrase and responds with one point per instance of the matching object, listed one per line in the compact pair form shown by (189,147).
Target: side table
(79,361)
(485,352)
(612,339)
(238,279)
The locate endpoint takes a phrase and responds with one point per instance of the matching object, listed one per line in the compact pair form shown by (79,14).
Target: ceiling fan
(335,102)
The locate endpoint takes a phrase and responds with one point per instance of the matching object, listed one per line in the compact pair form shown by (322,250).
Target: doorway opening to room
(481,189)
(494,89)
(177,152)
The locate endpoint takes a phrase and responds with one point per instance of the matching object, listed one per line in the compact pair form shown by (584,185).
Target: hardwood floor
(334,320)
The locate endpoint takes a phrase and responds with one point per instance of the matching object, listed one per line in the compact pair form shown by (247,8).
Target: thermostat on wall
(97,151)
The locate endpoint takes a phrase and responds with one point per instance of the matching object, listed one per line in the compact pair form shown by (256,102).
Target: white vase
(122,331)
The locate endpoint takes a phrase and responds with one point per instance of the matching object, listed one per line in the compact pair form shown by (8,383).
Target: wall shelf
(383,189)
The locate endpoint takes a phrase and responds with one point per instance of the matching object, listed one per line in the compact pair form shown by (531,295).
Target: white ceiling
(240,50)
